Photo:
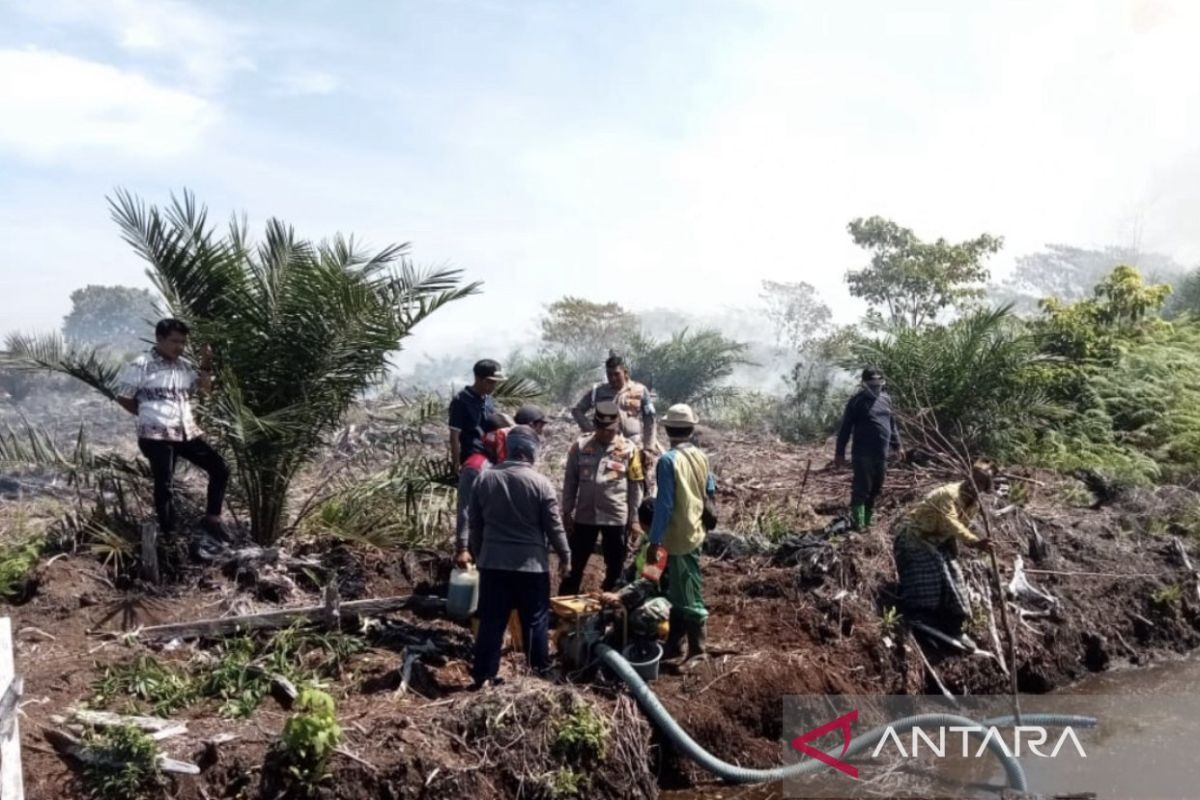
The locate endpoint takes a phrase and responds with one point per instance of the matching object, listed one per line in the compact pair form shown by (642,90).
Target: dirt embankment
(815,621)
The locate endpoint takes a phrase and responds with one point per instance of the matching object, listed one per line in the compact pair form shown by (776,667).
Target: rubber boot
(868,515)
(678,628)
(858,517)
(697,634)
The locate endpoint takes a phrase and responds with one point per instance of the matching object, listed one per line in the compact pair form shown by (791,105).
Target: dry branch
(271,620)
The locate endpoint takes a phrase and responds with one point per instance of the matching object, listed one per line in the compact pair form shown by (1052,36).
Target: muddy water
(1149,742)
(1147,746)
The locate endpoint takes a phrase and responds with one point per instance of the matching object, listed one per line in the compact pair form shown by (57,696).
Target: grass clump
(237,674)
(565,783)
(161,688)
(120,764)
(1167,595)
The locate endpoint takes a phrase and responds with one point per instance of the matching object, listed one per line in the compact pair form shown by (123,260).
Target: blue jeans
(500,591)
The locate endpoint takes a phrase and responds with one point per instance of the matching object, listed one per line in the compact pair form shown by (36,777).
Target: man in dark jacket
(470,410)
(869,417)
(514,522)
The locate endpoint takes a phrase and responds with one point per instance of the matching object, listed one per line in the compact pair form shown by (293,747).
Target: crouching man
(932,589)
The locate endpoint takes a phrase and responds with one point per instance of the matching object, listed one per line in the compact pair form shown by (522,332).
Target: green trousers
(685,587)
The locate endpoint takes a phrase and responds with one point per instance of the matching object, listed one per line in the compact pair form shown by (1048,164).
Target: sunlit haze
(660,154)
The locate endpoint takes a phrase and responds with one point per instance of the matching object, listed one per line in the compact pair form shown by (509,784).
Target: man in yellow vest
(684,480)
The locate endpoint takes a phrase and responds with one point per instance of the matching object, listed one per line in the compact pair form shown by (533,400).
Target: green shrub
(310,736)
(120,764)
(580,737)
(18,560)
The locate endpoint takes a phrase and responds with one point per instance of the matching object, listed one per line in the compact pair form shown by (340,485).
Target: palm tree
(299,329)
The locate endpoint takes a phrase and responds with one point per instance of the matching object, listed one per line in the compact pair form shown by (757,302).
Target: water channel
(1147,746)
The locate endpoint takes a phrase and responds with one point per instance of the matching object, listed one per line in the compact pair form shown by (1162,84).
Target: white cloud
(59,105)
(208,49)
(299,82)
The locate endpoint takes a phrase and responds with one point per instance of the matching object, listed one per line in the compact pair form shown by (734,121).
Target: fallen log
(282,618)
(157,727)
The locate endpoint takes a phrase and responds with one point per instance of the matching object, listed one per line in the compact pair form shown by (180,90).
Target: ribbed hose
(735,774)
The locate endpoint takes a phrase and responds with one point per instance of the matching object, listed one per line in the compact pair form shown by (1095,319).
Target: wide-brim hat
(681,415)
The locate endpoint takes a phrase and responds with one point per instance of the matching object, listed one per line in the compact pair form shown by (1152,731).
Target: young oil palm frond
(299,330)
(976,377)
(50,353)
(386,508)
(34,447)
(517,389)
(196,273)
(555,377)
(690,367)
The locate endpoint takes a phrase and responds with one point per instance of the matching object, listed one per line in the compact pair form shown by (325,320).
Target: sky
(657,153)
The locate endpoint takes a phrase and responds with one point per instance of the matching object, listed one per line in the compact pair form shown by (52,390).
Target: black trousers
(583,544)
(500,591)
(869,474)
(162,457)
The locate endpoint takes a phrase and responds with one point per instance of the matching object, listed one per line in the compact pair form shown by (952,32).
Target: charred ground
(790,615)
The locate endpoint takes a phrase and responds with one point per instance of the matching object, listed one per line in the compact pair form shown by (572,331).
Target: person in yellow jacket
(684,480)
(932,589)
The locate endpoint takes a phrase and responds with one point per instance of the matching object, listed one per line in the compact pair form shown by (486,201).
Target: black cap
(527,415)
(872,374)
(487,369)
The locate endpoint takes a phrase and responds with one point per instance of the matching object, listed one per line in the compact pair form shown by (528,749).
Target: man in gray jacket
(514,522)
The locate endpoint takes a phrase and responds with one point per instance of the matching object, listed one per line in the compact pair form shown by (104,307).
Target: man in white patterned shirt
(158,388)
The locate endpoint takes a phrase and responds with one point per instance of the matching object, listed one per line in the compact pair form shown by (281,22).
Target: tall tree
(914,280)
(1070,273)
(109,316)
(796,311)
(586,329)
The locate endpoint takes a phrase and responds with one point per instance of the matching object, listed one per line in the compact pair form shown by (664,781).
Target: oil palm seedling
(299,330)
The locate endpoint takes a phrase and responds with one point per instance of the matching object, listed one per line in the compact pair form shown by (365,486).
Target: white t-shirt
(163,390)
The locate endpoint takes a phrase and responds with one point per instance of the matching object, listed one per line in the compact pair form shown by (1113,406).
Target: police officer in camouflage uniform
(601,493)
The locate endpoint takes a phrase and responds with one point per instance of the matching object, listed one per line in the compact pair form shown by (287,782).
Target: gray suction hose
(735,774)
